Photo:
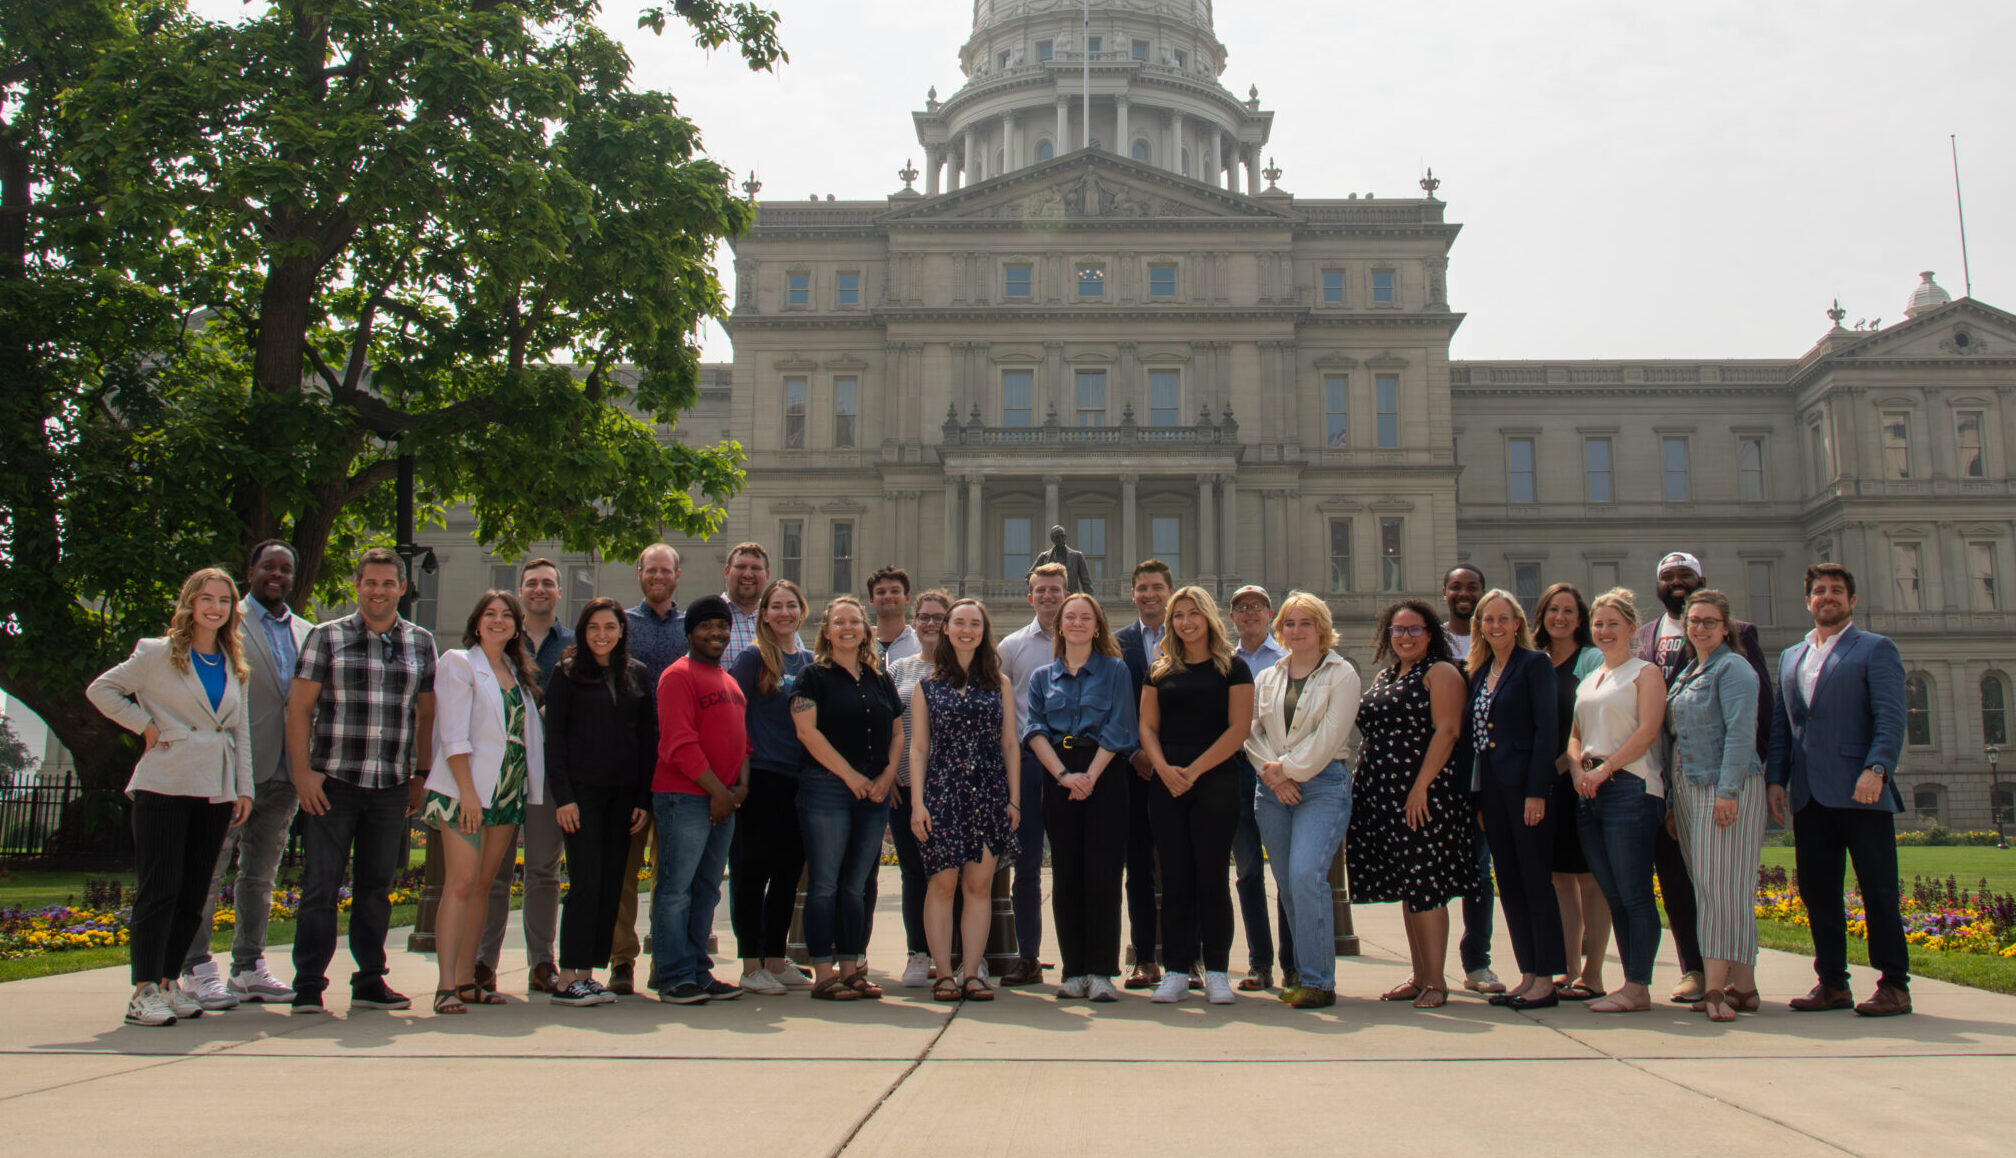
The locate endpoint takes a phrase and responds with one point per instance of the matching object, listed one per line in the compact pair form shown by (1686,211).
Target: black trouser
(1249,882)
(1088,841)
(1676,888)
(1524,855)
(1193,834)
(371,821)
(597,852)
(1822,838)
(1141,886)
(766,857)
(175,845)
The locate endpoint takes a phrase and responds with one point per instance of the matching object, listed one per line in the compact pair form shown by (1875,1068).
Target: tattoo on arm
(800,705)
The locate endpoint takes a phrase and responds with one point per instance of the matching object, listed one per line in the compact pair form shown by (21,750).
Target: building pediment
(1087,187)
(1963,329)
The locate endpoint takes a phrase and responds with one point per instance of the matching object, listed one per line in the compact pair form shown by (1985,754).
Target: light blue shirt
(1263,657)
(1151,639)
(280,634)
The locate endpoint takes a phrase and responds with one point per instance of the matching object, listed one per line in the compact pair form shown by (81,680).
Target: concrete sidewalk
(1026,1074)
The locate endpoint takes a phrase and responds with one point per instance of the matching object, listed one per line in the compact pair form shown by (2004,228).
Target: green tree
(245,266)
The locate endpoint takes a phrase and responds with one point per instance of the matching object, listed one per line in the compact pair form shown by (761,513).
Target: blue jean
(1619,830)
(692,851)
(843,840)
(1026,888)
(1301,842)
(1475,947)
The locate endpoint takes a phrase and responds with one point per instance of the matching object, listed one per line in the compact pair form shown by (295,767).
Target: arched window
(1140,149)
(1045,150)
(1928,801)
(1994,710)
(1918,710)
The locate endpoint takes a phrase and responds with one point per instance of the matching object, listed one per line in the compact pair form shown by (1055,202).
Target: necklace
(212,661)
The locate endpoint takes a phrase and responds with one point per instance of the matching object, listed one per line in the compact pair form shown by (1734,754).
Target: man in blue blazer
(1150,588)
(1836,727)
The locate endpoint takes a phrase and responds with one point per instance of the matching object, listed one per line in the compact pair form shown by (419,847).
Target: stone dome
(1927,295)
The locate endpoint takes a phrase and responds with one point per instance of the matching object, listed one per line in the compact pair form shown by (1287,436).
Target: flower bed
(1939,917)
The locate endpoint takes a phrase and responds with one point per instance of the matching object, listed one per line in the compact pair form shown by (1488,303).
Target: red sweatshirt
(700,726)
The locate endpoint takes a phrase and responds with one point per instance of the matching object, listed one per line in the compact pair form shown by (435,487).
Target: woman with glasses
(1411,830)
(1718,800)
(928,624)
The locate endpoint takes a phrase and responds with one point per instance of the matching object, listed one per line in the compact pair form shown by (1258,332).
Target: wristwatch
(1879,770)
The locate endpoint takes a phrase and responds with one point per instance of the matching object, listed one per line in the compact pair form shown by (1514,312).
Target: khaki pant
(626,948)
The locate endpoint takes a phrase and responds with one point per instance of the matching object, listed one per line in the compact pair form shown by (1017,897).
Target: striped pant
(1723,863)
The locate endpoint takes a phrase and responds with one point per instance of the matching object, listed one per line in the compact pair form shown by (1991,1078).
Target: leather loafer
(545,979)
(1890,1000)
(1144,977)
(1822,998)
(622,979)
(1027,971)
(1522,1004)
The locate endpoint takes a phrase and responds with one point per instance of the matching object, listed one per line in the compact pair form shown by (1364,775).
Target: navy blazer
(1523,738)
(1744,639)
(1856,721)
(1134,650)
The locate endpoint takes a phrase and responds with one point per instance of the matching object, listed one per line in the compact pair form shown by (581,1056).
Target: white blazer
(469,721)
(1324,718)
(203,751)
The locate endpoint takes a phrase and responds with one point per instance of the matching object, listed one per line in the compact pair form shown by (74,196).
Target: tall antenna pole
(1966,272)
(1085,46)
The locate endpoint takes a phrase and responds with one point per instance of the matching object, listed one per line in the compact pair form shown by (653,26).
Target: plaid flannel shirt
(366,719)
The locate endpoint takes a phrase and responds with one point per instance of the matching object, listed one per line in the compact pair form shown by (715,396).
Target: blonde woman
(1196,713)
(767,855)
(845,712)
(184,694)
(1304,709)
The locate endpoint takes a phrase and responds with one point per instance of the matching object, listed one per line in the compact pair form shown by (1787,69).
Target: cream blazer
(469,721)
(203,751)
(1324,718)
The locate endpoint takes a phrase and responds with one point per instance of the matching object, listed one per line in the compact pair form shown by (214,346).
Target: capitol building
(1108,315)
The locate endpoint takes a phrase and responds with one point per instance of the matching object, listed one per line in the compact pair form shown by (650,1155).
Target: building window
(1018,398)
(1162,282)
(1967,435)
(1091,281)
(1340,554)
(1760,611)
(1981,577)
(1602,577)
(1905,561)
(1526,584)
(1138,50)
(1896,444)
(1337,411)
(1016,278)
(1015,556)
(1519,471)
(1673,465)
(1387,387)
(426,599)
(798,289)
(1045,50)
(1750,470)
(791,550)
(794,414)
(1165,401)
(1182,58)
(1823,471)
(1333,287)
(1596,470)
(1003,58)
(847,289)
(1140,150)
(1091,397)
(1994,710)
(1918,710)
(1392,559)
(504,577)
(843,412)
(1045,150)
(1165,542)
(1094,45)
(1925,802)
(843,557)
(580,585)
(1092,543)
(1382,287)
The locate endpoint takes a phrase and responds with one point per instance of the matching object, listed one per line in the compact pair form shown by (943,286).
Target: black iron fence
(65,821)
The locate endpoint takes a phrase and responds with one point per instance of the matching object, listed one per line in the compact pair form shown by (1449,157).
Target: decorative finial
(1837,313)
(1430,183)
(1272,173)
(750,186)
(909,174)
(933,94)
(1253,93)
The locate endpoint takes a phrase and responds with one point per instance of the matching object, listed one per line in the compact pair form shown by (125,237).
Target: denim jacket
(1711,710)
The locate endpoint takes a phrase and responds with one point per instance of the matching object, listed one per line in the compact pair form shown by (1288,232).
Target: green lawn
(1967,865)
(278,933)
(1992,973)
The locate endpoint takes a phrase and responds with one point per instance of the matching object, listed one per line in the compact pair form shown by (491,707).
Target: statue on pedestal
(1077,576)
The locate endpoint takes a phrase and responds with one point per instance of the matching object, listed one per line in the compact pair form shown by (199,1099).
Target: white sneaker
(259,984)
(202,985)
(1174,987)
(182,1005)
(761,981)
(148,1007)
(917,971)
(1483,981)
(792,977)
(1101,989)
(1075,988)
(1218,989)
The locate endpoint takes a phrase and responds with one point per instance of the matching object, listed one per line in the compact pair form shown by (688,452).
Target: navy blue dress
(965,778)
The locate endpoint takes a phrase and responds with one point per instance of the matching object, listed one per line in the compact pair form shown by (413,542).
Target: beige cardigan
(1324,717)
(203,751)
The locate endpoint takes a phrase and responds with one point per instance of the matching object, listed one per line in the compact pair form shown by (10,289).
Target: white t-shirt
(1459,645)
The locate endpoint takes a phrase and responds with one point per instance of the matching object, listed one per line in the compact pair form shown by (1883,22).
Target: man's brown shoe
(545,979)
(1824,998)
(623,979)
(1027,971)
(1145,976)
(1258,980)
(1890,1000)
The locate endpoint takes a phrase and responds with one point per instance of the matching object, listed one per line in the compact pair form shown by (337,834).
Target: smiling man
(1150,588)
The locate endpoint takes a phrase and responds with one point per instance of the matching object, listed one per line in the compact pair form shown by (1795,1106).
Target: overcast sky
(1676,180)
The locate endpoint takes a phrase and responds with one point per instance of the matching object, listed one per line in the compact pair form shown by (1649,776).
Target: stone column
(951,168)
(1130,499)
(974,555)
(1050,513)
(1010,160)
(933,158)
(949,576)
(1063,144)
(1175,147)
(976,168)
(1053,391)
(1217,175)
(1123,145)
(1207,532)
(1230,565)
(1253,177)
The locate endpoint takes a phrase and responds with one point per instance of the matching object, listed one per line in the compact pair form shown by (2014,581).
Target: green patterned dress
(507,804)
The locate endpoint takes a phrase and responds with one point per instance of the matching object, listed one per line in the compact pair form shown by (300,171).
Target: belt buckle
(1065,742)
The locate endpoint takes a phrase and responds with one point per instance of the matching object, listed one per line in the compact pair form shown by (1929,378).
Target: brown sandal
(1405,991)
(946,989)
(446,1002)
(1742,1000)
(1717,1006)
(834,989)
(477,995)
(863,988)
(1431,997)
(985,992)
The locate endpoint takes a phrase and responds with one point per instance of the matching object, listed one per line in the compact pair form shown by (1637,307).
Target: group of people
(1569,756)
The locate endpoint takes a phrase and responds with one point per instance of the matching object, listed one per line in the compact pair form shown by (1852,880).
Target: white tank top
(1606,710)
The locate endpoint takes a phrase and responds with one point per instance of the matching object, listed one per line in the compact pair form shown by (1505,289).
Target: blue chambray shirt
(1711,711)
(1097,702)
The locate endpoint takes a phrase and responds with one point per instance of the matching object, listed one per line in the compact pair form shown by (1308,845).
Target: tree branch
(377,474)
(323,371)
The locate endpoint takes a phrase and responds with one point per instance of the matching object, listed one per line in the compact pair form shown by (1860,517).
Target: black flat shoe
(1502,998)
(1523,1004)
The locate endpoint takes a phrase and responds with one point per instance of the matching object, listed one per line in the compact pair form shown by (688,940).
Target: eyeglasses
(1696,621)
(1242,608)
(930,618)
(1412,631)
